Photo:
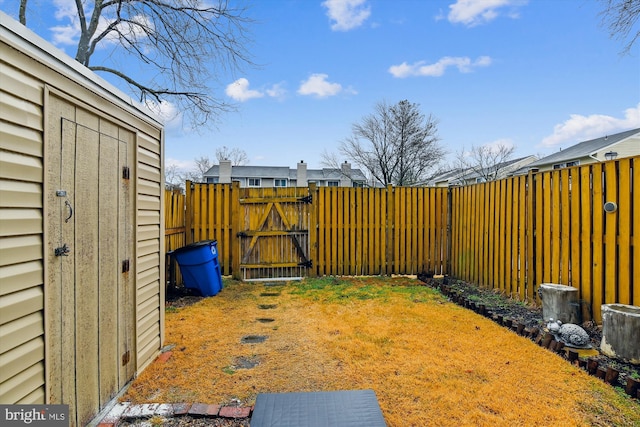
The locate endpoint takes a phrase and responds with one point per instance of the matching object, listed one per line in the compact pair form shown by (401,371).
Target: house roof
(283,172)
(584,149)
(469,173)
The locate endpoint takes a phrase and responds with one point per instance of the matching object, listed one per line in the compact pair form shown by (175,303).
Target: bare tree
(172,176)
(395,145)
(620,17)
(485,162)
(237,156)
(180,46)
(202,165)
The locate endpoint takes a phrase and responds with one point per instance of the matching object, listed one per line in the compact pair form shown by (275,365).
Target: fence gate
(274,233)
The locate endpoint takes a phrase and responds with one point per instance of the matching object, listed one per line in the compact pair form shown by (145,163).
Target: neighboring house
(608,147)
(282,176)
(467,176)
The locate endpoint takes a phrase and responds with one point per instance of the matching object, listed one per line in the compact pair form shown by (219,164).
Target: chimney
(301,177)
(225,172)
(345,174)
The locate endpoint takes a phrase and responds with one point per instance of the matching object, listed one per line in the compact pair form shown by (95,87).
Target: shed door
(89,292)
(274,236)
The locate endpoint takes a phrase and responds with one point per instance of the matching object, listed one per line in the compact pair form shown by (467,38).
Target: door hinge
(306,199)
(307,264)
(126,172)
(126,358)
(125,265)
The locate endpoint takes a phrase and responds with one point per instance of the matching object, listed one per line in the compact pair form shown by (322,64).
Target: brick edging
(127,411)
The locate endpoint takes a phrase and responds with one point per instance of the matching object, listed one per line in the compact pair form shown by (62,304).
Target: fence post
(188,214)
(313,229)
(530,253)
(237,219)
(449,218)
(388,267)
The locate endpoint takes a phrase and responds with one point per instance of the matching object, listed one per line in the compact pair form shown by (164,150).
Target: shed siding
(31,77)
(21,265)
(149,250)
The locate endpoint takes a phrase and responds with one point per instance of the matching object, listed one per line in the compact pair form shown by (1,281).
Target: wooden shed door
(274,241)
(89,289)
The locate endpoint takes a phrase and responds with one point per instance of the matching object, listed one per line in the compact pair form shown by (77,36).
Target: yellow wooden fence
(358,231)
(511,235)
(371,231)
(551,227)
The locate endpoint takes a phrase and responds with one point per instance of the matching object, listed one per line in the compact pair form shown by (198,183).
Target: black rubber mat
(350,408)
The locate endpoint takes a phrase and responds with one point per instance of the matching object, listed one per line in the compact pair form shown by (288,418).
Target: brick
(235,412)
(181,408)
(165,356)
(202,410)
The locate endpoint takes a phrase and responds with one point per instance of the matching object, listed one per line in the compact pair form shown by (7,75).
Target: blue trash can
(199,266)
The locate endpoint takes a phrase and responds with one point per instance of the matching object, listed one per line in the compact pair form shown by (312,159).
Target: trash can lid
(194,245)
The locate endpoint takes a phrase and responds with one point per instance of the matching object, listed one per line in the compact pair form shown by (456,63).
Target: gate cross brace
(257,233)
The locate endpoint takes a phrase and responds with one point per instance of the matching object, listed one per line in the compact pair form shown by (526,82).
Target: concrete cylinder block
(621,332)
(560,302)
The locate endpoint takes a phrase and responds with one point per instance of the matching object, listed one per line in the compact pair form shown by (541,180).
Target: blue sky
(538,74)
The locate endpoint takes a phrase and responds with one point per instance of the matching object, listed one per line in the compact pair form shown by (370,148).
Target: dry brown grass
(430,362)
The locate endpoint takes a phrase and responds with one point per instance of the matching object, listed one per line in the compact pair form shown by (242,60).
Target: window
(254,182)
(333,183)
(358,184)
(279,182)
(214,180)
(566,165)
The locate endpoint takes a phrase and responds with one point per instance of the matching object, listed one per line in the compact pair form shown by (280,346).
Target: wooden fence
(511,235)
(551,227)
(358,231)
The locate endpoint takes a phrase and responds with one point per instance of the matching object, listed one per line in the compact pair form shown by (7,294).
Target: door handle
(67,204)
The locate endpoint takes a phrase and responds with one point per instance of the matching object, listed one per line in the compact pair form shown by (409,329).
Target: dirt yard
(429,361)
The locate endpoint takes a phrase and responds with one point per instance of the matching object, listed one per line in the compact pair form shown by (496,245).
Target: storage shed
(81,230)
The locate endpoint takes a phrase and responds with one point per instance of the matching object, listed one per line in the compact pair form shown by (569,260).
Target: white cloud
(583,128)
(67,9)
(317,85)
(347,14)
(168,113)
(464,65)
(277,91)
(475,12)
(69,33)
(499,144)
(239,90)
(66,34)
